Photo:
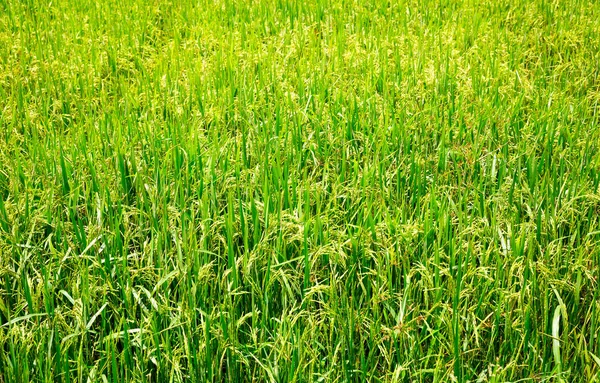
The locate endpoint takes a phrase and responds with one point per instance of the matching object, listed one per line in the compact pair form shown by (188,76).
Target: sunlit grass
(299,191)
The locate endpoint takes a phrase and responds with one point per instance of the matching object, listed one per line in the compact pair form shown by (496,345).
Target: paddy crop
(288,191)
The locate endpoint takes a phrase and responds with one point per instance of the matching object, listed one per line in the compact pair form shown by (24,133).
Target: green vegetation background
(299,191)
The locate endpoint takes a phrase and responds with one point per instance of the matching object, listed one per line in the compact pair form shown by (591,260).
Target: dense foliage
(299,191)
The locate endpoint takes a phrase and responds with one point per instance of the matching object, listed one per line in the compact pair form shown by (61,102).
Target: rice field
(299,191)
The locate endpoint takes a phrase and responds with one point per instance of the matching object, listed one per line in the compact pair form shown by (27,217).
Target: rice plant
(299,191)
